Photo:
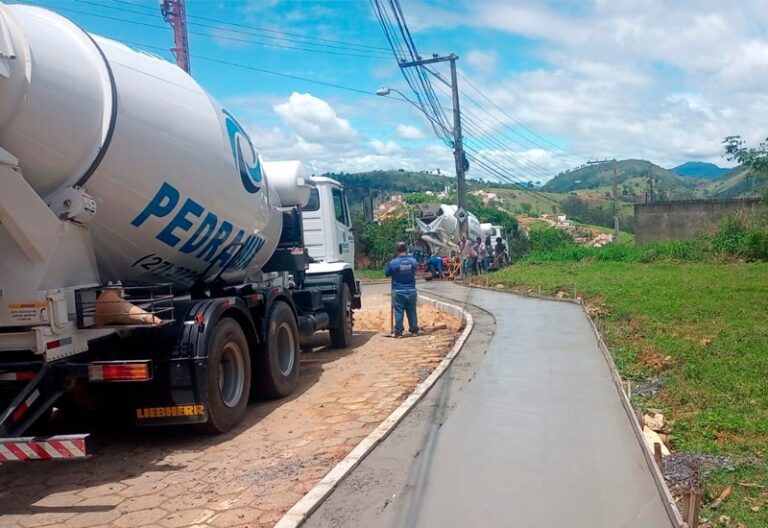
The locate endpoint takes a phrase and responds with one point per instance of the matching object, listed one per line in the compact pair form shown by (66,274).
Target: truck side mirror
(368,208)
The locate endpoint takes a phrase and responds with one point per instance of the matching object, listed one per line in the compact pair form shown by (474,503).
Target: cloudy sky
(544,85)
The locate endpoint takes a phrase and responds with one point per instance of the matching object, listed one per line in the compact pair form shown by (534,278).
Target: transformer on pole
(175,13)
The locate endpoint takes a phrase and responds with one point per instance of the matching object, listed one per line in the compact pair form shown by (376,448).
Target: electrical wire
(505,113)
(398,43)
(219,37)
(141,45)
(404,50)
(255,28)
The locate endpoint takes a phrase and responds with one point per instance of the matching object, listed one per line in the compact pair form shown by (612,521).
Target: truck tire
(229,376)
(341,336)
(277,361)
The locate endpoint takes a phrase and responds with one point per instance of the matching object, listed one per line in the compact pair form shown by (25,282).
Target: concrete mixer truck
(150,260)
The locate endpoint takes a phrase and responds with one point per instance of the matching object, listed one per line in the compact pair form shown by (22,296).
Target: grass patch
(370,274)
(703,330)
(538,225)
(624,237)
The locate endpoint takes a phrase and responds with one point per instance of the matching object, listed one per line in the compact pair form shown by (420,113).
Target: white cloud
(482,61)
(409,132)
(652,79)
(616,78)
(385,148)
(314,120)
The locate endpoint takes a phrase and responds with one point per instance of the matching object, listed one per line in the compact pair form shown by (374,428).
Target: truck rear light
(120,371)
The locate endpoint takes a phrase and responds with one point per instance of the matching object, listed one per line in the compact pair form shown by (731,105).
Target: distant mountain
(700,170)
(630,173)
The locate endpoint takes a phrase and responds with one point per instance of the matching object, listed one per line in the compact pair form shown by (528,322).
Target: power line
(475,129)
(260,70)
(470,117)
(518,123)
(398,36)
(200,33)
(259,29)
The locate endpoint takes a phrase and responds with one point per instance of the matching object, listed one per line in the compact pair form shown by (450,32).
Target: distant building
(486,197)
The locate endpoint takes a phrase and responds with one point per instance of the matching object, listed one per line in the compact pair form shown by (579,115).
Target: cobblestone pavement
(251,476)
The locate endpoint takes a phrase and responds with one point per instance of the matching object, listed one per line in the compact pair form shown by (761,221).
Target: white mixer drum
(176,178)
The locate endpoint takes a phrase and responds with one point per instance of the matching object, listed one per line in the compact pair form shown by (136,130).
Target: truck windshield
(314,201)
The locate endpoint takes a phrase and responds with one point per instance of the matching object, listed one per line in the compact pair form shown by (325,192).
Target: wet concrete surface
(525,429)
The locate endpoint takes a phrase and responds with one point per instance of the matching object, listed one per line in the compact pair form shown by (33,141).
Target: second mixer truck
(150,260)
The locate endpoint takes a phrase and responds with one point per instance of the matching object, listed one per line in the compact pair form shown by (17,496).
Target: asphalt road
(525,429)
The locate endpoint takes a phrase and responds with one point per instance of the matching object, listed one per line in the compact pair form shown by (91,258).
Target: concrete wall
(686,219)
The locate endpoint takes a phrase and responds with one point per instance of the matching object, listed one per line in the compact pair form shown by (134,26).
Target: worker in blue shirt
(402,269)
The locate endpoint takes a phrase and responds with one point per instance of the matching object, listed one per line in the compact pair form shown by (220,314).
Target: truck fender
(330,285)
(274,294)
(188,365)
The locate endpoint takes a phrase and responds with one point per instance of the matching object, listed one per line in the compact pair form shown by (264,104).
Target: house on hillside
(487,198)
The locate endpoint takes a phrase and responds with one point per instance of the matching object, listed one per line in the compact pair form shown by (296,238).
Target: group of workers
(474,257)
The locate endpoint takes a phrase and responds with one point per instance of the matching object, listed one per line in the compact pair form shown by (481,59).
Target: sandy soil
(251,476)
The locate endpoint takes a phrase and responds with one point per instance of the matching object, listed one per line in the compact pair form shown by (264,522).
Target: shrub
(742,236)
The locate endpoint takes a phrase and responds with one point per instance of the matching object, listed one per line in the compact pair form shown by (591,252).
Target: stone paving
(248,478)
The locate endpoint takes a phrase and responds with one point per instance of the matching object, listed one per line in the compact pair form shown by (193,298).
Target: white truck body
(117,167)
(327,224)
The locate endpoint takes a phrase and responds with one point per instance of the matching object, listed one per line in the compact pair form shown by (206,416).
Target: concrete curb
(658,477)
(300,511)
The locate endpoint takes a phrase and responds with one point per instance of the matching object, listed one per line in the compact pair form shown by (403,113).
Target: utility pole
(616,199)
(175,13)
(458,148)
(649,189)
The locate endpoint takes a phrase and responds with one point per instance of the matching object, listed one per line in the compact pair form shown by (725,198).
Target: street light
(387,91)
(458,148)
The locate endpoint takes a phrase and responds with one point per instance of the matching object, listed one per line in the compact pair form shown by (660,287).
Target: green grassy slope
(628,171)
(702,329)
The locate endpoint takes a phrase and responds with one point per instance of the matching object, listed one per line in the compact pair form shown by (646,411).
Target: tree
(526,207)
(755,159)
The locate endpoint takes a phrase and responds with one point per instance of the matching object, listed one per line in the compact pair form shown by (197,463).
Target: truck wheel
(277,362)
(229,376)
(341,336)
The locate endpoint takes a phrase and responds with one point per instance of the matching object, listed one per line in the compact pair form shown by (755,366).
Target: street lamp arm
(386,91)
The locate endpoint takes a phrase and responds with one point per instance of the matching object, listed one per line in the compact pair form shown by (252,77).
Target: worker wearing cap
(402,269)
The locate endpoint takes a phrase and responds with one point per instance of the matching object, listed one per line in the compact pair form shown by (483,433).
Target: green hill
(735,184)
(381,183)
(700,170)
(632,176)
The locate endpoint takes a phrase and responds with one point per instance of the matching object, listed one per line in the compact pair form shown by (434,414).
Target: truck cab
(327,223)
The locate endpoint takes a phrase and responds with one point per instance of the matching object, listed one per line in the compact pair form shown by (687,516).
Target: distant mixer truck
(149,258)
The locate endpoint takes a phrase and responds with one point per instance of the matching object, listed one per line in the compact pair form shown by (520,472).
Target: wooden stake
(691,505)
(392,315)
(657,456)
(639,416)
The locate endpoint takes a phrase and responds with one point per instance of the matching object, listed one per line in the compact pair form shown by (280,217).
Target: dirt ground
(251,476)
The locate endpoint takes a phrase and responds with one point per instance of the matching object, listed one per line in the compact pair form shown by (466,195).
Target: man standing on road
(402,269)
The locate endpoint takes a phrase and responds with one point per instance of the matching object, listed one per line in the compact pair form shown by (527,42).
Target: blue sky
(569,81)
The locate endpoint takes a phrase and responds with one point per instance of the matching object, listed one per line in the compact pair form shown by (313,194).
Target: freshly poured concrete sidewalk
(539,438)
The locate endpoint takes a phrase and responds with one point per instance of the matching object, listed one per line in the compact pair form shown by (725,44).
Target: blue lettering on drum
(198,231)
